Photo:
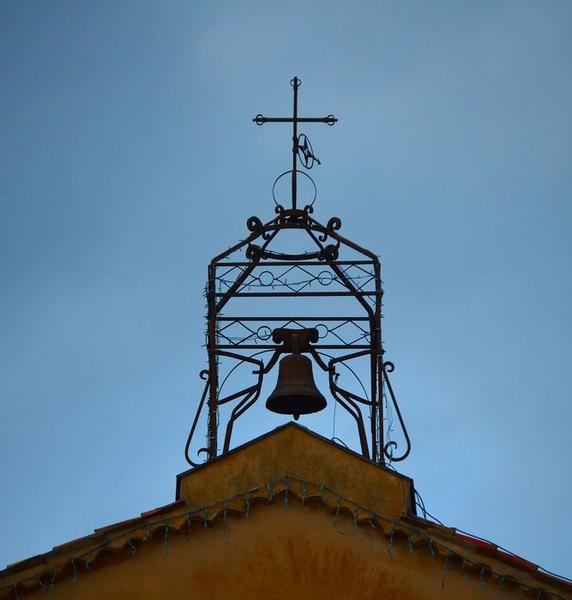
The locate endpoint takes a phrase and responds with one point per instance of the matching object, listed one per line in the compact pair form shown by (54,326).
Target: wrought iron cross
(305,148)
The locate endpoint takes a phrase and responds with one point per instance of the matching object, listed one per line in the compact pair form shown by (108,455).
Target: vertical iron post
(212,425)
(295,85)
(376,365)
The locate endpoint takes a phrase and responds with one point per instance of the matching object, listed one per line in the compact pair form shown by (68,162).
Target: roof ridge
(265,493)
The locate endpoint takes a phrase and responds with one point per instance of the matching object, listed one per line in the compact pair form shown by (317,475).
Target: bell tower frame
(331,268)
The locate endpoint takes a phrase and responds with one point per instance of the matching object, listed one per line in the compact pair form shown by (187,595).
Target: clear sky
(128,159)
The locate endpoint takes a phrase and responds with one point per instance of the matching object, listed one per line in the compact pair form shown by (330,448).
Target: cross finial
(301,147)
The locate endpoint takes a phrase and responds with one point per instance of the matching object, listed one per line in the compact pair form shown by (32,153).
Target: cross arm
(261,119)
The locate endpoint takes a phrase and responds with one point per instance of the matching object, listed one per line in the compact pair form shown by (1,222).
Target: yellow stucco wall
(278,552)
(298,453)
(290,515)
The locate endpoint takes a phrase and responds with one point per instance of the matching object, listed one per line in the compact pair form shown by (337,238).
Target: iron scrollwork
(391,446)
(331,268)
(204,375)
(338,269)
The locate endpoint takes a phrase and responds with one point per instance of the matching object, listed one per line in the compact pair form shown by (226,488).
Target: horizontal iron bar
(293,319)
(284,263)
(294,294)
(261,119)
(274,347)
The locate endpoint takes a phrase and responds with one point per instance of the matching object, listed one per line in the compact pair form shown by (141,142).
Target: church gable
(278,538)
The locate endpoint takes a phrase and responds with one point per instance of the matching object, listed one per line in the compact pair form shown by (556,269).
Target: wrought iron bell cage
(331,268)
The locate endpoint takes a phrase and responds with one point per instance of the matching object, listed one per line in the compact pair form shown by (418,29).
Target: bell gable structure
(289,514)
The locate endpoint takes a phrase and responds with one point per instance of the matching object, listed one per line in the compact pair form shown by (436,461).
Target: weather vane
(301,146)
(345,343)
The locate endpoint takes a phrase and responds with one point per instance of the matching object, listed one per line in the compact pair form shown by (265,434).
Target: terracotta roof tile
(517,560)
(137,520)
(27,563)
(478,542)
(162,509)
(75,542)
(485,545)
(121,525)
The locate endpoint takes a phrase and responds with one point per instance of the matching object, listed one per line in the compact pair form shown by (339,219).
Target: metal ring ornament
(331,120)
(325,278)
(286,173)
(269,282)
(259,119)
(264,333)
(295,82)
(306,158)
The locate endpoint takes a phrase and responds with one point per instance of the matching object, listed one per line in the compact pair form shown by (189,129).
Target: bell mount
(333,269)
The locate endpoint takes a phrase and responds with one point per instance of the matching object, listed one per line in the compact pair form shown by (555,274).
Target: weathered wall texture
(279,551)
(290,515)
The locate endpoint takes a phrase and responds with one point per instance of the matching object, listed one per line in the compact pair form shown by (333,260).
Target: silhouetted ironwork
(334,267)
(301,146)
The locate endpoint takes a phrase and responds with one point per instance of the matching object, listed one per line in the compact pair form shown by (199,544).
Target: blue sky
(128,159)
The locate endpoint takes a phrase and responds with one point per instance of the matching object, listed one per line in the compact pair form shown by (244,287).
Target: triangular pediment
(301,455)
(288,514)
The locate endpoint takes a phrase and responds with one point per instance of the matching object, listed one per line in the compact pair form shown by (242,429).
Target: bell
(295,392)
